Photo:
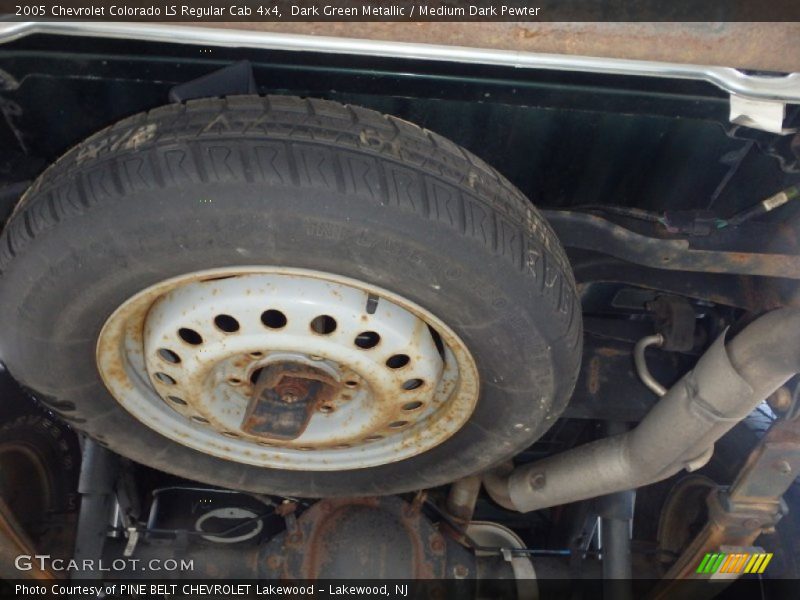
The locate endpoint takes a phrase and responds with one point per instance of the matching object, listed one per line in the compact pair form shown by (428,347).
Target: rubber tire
(14,402)
(56,449)
(290,182)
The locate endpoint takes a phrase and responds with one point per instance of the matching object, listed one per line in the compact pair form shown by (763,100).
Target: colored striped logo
(744,562)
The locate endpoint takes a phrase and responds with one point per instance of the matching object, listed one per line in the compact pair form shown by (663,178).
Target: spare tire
(289,296)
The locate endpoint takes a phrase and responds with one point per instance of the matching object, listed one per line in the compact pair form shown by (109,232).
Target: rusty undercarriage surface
(759,46)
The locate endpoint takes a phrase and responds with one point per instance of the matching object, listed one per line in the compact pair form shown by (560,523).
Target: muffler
(725,386)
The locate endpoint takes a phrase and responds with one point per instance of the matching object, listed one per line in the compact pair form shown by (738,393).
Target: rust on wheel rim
(288,368)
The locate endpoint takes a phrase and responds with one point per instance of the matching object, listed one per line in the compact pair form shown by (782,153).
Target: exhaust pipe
(725,386)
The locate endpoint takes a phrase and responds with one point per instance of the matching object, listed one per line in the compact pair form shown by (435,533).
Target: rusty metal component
(608,388)
(209,561)
(284,398)
(185,357)
(674,320)
(286,508)
(755,294)
(752,505)
(724,528)
(769,471)
(684,507)
(591,232)
(351,537)
(462,498)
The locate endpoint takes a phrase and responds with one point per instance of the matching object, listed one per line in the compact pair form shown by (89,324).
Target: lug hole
(367,340)
(323,325)
(412,384)
(256,354)
(397,361)
(255,375)
(412,405)
(437,340)
(351,383)
(230,434)
(190,336)
(398,424)
(177,400)
(326,408)
(199,419)
(164,378)
(226,323)
(274,319)
(234,381)
(169,356)
(373,438)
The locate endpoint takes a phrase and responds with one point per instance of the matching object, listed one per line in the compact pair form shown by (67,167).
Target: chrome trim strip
(784,88)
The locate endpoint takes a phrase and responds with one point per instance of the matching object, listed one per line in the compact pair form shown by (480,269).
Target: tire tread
(457,188)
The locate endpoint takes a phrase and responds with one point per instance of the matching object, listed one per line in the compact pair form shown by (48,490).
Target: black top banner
(401,10)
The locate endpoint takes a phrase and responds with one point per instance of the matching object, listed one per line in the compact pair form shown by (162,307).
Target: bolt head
(781,399)
(537,481)
(752,524)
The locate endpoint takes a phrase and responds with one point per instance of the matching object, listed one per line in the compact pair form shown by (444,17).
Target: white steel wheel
(390,379)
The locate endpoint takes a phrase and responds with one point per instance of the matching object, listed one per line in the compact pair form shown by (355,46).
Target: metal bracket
(753,505)
(133,539)
(228,81)
(590,232)
(675,320)
(766,115)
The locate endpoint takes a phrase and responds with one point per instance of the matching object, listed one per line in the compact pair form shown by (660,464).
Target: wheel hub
(284,397)
(287,368)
